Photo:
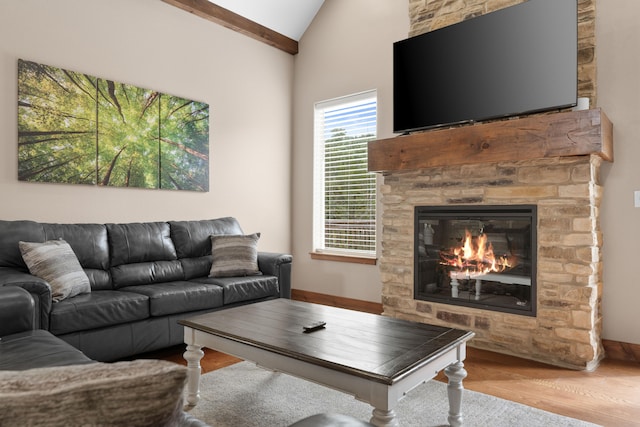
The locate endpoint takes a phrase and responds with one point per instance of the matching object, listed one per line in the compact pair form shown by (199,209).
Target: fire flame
(475,257)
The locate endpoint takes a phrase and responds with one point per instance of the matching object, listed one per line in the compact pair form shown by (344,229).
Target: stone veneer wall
(428,15)
(567,329)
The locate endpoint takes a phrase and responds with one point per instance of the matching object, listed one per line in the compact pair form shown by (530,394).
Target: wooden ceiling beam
(212,12)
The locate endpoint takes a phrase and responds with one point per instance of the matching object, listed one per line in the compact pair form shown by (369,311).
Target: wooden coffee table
(377,359)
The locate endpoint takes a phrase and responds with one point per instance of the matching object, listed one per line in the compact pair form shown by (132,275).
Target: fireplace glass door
(477,256)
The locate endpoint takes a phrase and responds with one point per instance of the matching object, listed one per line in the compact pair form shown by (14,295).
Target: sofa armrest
(17,310)
(38,288)
(278,265)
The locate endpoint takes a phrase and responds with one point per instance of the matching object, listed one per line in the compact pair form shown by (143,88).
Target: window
(344,189)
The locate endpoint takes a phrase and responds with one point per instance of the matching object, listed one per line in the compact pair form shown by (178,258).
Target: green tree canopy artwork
(75,128)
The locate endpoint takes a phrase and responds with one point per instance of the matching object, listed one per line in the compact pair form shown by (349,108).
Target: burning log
(475,256)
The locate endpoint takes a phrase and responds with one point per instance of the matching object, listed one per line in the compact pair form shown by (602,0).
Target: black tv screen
(517,60)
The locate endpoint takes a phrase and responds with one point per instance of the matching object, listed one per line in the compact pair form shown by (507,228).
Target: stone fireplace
(549,161)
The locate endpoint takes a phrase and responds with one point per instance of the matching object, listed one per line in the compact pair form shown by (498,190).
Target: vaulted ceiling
(279,23)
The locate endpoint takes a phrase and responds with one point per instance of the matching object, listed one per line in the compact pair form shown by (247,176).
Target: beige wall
(150,44)
(617,41)
(346,50)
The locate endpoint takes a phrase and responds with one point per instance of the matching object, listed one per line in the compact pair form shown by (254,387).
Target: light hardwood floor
(609,396)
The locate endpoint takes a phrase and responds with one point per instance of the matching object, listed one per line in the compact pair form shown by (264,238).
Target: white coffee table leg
(193,355)
(456,373)
(382,418)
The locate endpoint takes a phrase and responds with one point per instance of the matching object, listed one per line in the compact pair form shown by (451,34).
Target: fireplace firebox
(477,256)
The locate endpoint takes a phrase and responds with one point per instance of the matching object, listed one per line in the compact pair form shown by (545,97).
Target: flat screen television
(517,60)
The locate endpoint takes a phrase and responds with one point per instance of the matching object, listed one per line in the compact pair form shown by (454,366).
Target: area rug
(244,395)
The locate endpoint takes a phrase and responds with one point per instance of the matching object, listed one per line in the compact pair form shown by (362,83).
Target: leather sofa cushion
(11,232)
(191,238)
(179,297)
(144,273)
(99,279)
(37,349)
(140,242)
(240,289)
(96,310)
(88,241)
(196,267)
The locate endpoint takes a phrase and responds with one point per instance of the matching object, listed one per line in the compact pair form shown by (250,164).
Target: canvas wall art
(79,129)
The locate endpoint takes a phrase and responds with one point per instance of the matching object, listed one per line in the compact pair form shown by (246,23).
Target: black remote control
(314,326)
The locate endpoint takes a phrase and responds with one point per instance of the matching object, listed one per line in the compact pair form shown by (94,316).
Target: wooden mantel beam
(572,133)
(207,10)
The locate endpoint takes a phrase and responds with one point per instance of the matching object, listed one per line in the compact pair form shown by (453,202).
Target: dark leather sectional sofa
(143,276)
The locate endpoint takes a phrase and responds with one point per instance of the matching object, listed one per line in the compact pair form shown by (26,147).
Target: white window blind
(344,190)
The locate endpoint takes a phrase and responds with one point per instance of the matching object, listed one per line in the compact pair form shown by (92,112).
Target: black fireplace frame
(473,212)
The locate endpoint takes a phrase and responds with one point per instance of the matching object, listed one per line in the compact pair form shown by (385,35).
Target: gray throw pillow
(234,255)
(55,262)
(136,393)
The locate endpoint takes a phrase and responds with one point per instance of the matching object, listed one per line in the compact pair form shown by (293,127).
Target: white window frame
(321,132)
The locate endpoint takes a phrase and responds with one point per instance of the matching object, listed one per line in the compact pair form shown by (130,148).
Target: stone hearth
(552,161)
